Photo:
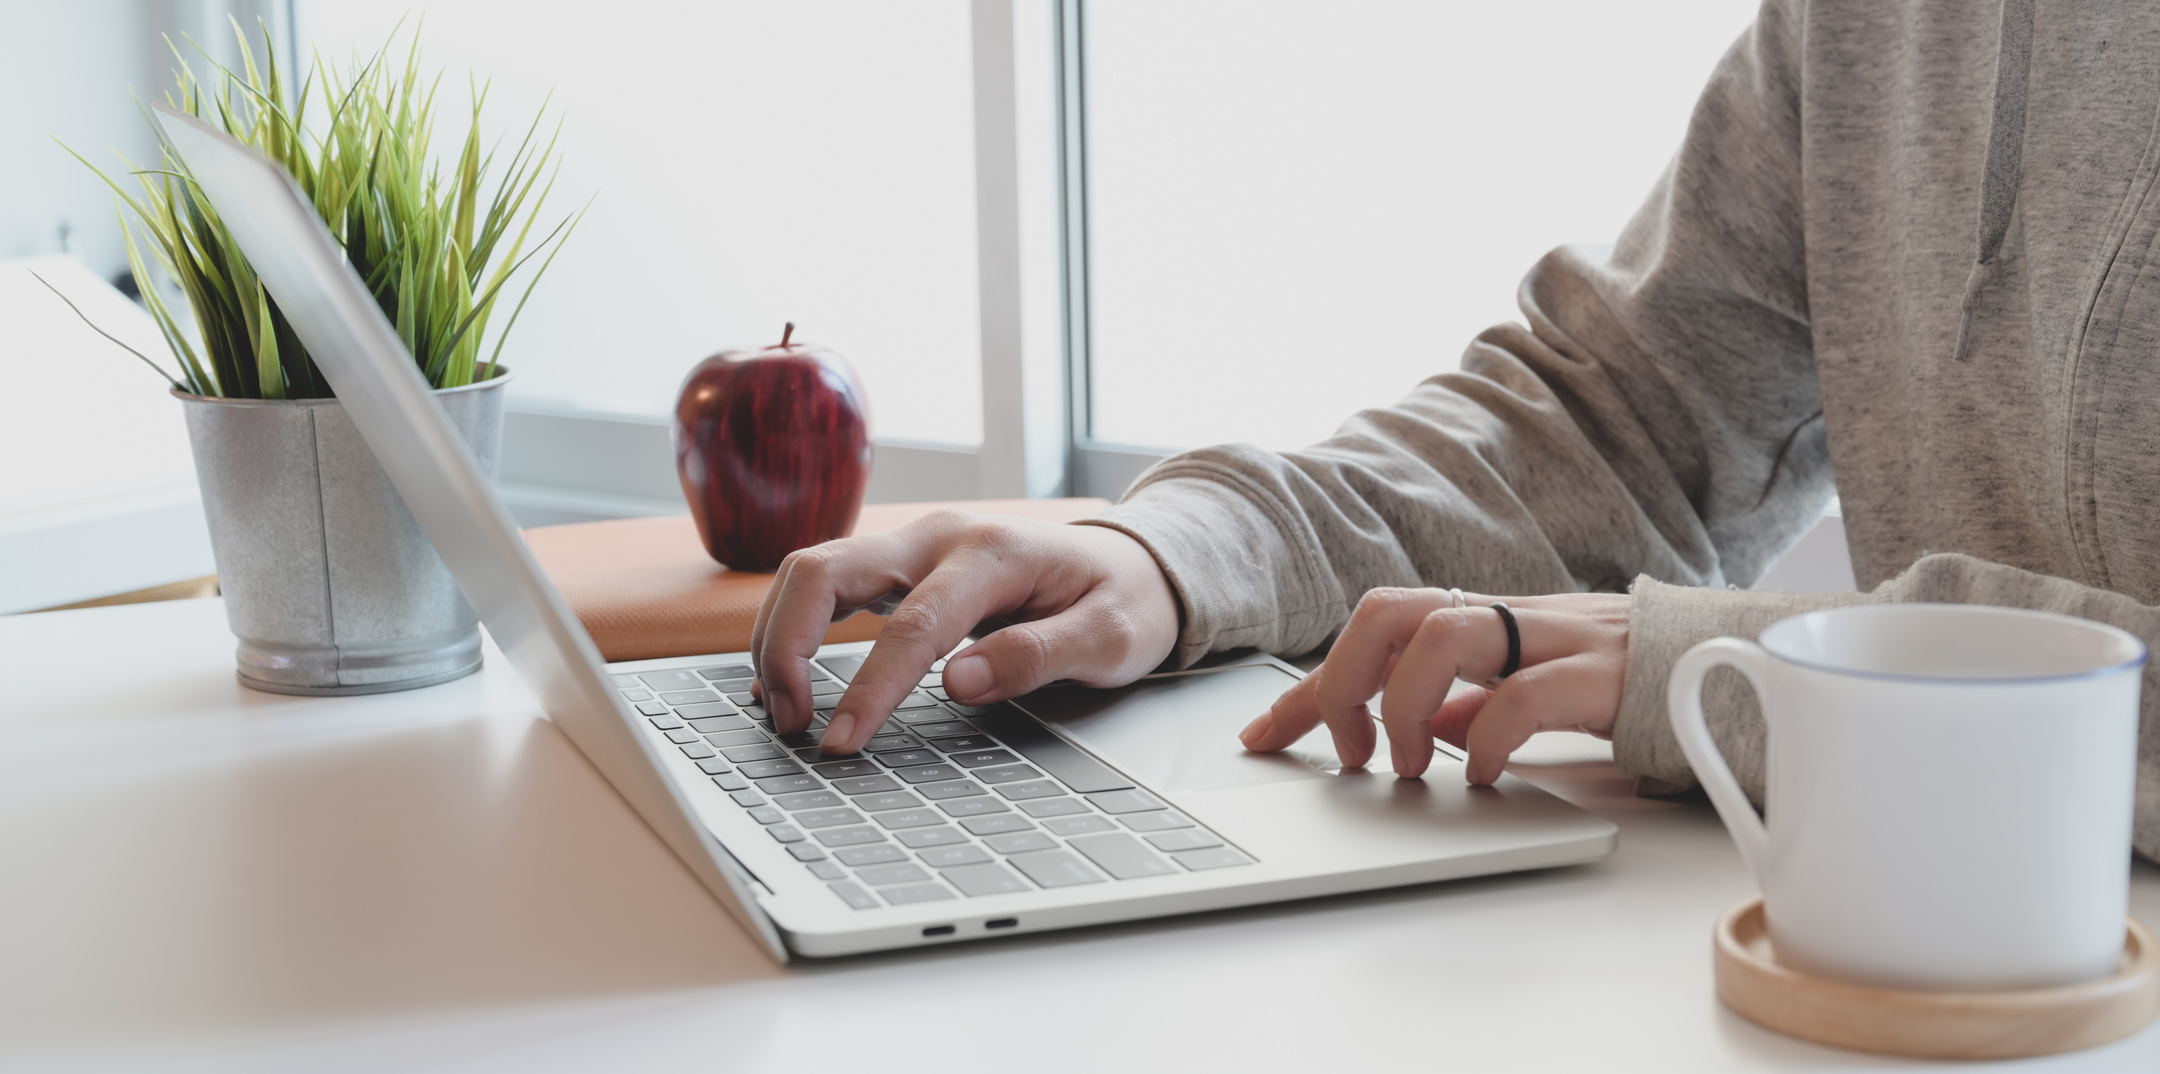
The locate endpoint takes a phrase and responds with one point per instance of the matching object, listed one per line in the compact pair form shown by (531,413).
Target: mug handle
(1683,695)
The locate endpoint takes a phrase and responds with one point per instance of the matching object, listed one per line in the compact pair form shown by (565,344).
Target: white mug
(1948,791)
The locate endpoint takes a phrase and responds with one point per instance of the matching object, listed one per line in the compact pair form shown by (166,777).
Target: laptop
(1067,807)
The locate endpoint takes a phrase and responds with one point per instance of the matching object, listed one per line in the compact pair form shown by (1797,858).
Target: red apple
(774,450)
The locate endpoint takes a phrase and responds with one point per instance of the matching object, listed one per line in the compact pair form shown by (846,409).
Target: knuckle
(1025,657)
(997,540)
(910,624)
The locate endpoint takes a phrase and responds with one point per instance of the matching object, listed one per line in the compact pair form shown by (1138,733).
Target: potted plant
(329,584)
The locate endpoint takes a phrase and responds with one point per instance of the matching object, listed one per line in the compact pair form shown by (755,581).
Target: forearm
(1665,620)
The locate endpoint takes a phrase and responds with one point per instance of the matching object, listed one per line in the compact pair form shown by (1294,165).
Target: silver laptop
(1066,807)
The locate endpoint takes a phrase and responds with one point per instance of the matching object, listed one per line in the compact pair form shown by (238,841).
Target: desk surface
(197,876)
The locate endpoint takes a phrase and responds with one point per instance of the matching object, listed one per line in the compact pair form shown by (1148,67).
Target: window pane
(1300,209)
(755,161)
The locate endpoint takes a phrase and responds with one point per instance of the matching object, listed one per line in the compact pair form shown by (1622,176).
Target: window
(751,163)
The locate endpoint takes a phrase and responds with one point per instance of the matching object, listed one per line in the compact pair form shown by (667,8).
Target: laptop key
(789,784)
(809,800)
(945,857)
(985,878)
(974,807)
(652,708)
(682,736)
(861,856)
(697,751)
(731,781)
(766,815)
(879,876)
(627,682)
(825,869)
(904,758)
(1004,773)
(1052,807)
(1021,842)
(666,723)
(761,752)
(1041,788)
(979,758)
(724,739)
(1218,858)
(854,895)
(890,743)
(1189,839)
(728,671)
(916,699)
(748,799)
(1052,754)
(637,695)
(884,800)
(713,766)
(1055,868)
(1125,802)
(901,896)
(689,697)
(934,715)
(710,710)
(910,818)
(978,710)
(842,667)
(958,788)
(713,725)
(827,818)
(928,773)
(671,680)
(997,824)
(866,784)
(806,851)
(762,769)
(827,688)
(962,743)
(786,833)
(1080,825)
(918,838)
(1121,856)
(944,729)
(1161,820)
(847,837)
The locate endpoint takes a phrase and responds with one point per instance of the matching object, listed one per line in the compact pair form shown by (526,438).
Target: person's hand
(1085,603)
(1415,644)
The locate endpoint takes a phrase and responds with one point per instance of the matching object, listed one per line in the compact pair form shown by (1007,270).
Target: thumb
(1086,643)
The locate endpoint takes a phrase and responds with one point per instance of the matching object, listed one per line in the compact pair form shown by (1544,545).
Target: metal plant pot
(328,582)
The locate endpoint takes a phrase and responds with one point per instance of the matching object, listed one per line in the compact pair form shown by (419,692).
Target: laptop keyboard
(946,801)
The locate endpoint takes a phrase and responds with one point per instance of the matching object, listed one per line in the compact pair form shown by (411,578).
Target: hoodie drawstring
(2005,161)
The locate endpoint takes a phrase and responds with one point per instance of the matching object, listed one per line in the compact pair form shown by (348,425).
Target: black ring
(1514,640)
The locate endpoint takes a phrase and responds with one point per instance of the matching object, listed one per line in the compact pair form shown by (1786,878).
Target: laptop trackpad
(1178,732)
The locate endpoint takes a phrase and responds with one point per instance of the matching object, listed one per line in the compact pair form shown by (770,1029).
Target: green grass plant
(435,248)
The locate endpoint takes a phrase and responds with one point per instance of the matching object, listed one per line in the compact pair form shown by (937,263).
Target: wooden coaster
(1941,1025)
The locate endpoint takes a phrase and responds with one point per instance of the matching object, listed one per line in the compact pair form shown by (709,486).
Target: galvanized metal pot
(328,582)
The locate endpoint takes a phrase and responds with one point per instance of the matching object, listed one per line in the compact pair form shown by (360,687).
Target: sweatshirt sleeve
(1657,413)
(1664,621)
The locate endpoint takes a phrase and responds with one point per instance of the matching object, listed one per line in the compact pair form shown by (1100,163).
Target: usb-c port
(938,930)
(1001,923)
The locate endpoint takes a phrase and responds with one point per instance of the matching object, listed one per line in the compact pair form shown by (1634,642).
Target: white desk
(196,876)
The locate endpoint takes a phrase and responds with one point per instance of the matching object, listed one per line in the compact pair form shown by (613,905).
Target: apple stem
(787,335)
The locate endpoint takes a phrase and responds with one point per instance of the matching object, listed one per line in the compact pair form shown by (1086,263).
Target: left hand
(1411,645)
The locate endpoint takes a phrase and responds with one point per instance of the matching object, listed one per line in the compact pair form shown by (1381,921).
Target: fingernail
(967,677)
(1257,730)
(838,731)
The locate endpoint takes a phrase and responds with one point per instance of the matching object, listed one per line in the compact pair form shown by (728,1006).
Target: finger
(812,585)
(1555,695)
(965,589)
(1091,643)
(1357,666)
(1452,723)
(1287,720)
(1449,643)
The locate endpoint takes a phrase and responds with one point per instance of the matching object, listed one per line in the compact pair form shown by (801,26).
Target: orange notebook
(645,588)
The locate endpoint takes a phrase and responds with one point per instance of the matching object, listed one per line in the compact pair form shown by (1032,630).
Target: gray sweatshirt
(1901,256)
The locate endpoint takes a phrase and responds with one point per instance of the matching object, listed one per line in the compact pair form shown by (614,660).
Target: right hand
(1085,603)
